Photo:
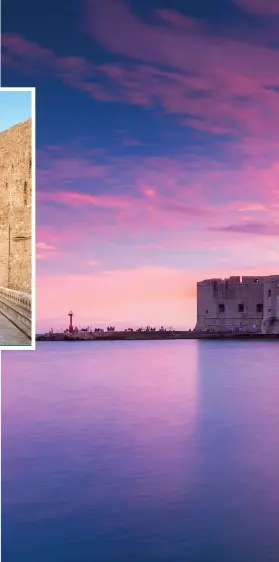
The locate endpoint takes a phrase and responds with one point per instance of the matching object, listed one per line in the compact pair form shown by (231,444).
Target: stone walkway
(10,335)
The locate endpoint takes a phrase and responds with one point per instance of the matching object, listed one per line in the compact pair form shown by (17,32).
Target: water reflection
(238,430)
(105,433)
(146,451)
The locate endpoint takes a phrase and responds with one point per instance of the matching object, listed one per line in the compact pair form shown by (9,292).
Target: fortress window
(256,280)
(269,293)
(221,308)
(259,307)
(206,312)
(241,307)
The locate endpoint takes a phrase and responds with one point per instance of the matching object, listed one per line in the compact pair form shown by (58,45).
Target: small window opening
(259,307)
(221,308)
(241,307)
(256,280)
(269,292)
(206,312)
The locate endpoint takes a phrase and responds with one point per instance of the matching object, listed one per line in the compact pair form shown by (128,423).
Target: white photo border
(32,345)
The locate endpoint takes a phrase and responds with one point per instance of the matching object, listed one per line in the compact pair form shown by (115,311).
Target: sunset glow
(158,154)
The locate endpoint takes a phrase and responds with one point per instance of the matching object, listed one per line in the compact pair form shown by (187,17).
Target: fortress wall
(3,255)
(218,303)
(206,305)
(15,207)
(271,297)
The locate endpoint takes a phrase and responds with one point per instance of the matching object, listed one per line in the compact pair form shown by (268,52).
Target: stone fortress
(247,304)
(16,222)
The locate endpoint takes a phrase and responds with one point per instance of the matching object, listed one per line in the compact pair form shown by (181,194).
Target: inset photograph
(17,218)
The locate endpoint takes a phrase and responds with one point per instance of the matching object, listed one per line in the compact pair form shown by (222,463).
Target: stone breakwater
(132,336)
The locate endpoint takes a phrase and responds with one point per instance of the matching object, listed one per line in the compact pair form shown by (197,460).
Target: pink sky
(158,156)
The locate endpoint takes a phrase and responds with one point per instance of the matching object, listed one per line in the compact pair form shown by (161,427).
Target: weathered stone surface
(15,207)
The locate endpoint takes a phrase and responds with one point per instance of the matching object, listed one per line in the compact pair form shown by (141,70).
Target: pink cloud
(43,246)
(67,168)
(46,252)
(131,142)
(16,44)
(202,200)
(130,211)
(257,228)
(252,207)
(219,104)
(261,7)
(224,86)
(179,21)
(115,26)
(149,191)
(77,199)
(40,59)
(46,233)
(57,232)
(221,86)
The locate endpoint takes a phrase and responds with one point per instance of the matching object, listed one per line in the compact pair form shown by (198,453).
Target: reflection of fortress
(250,304)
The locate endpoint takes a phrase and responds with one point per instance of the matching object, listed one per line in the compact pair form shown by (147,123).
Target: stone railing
(16,297)
(16,307)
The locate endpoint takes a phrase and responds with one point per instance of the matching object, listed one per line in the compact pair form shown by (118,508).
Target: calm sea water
(141,452)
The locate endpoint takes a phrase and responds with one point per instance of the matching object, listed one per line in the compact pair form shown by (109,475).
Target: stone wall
(230,304)
(271,305)
(238,304)
(15,206)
